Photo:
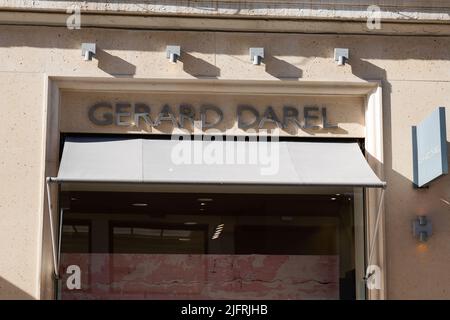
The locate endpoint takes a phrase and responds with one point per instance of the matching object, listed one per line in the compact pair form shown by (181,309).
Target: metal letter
(308,117)
(269,116)
(241,123)
(186,113)
(108,118)
(166,115)
(121,109)
(290,114)
(204,109)
(325,123)
(142,111)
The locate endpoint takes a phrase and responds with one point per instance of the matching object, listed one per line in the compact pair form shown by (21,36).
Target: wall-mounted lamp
(88,51)
(173,53)
(422,228)
(341,56)
(256,55)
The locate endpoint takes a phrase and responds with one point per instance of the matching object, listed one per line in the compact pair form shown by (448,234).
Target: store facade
(218,236)
(148,188)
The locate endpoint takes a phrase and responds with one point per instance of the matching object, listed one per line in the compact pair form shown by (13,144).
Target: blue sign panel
(430,148)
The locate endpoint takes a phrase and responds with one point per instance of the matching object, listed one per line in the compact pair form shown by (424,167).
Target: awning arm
(55,254)
(375,234)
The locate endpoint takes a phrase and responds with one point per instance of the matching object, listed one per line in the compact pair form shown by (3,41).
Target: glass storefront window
(213,246)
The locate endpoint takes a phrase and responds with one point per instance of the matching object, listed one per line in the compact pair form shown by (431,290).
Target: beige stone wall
(414,78)
(415,271)
(21,183)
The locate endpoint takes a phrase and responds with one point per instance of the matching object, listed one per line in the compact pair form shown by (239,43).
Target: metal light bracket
(341,55)
(173,53)
(422,228)
(256,55)
(88,50)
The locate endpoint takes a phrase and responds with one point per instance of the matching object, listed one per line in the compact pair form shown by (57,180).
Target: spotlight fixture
(341,56)
(422,228)
(173,53)
(256,55)
(88,50)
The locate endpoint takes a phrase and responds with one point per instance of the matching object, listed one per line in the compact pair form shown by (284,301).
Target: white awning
(149,161)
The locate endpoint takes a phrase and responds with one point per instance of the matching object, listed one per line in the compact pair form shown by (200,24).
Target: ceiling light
(138,204)
(190,223)
(332,199)
(147,232)
(218,231)
(184,239)
(204,199)
(176,233)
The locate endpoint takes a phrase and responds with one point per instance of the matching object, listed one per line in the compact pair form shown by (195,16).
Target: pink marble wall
(182,276)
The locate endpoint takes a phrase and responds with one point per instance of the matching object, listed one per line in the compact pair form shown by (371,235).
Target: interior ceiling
(193,203)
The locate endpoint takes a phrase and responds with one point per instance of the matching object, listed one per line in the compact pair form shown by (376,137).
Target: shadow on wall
(281,69)
(114,65)
(199,68)
(8,291)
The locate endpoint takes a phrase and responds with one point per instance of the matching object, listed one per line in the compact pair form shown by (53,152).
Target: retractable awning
(148,161)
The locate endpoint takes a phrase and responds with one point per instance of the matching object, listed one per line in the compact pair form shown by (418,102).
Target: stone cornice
(412,17)
(391,10)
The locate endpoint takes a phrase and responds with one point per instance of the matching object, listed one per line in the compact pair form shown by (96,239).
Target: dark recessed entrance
(209,246)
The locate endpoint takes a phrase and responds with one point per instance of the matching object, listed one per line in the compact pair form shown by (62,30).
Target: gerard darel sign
(227,114)
(208,116)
